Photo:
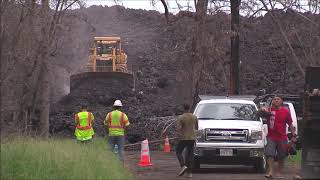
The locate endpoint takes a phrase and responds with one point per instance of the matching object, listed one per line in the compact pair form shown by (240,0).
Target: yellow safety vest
(84,130)
(116,120)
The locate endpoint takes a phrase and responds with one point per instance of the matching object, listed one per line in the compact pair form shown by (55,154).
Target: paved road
(165,167)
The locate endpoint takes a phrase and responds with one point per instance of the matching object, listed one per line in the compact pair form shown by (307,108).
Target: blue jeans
(119,141)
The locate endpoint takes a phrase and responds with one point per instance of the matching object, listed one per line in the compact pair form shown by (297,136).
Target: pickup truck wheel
(261,165)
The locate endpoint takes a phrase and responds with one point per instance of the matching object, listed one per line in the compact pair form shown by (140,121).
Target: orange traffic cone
(166,147)
(145,156)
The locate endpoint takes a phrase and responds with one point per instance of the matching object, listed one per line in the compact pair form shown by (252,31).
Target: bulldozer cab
(107,56)
(107,48)
(104,49)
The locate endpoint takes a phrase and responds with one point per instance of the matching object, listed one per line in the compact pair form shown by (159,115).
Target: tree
(30,38)
(235,59)
(199,49)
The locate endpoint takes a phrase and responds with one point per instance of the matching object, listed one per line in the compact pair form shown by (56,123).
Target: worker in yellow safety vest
(116,121)
(83,121)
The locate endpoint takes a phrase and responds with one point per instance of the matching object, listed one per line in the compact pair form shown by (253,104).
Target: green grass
(28,158)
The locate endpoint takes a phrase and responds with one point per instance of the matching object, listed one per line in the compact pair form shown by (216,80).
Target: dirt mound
(160,57)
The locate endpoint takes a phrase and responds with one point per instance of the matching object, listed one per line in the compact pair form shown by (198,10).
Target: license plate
(226,152)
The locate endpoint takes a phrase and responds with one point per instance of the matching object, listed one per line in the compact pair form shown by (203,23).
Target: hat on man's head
(117,103)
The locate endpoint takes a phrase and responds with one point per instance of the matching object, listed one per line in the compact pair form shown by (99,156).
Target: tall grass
(27,158)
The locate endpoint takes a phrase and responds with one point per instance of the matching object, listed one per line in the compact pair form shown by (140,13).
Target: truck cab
(229,132)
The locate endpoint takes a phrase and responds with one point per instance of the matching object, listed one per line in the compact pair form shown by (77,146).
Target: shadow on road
(226,169)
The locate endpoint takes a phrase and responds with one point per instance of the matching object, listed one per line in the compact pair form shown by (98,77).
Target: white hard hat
(117,103)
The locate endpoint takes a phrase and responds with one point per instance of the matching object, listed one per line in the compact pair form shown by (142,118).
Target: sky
(145,4)
(172,5)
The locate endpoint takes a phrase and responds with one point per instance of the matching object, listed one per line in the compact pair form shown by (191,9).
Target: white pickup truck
(229,132)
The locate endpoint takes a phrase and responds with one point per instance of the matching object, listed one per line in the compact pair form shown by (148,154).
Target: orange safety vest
(110,125)
(89,126)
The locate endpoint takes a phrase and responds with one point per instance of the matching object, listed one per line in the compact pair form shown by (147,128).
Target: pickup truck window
(287,107)
(226,111)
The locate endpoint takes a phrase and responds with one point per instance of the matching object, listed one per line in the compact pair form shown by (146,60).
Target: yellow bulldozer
(107,56)
(107,61)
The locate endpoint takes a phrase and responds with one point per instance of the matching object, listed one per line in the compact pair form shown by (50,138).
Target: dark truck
(311,125)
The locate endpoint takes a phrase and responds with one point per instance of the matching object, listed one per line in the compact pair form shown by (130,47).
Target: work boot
(183,170)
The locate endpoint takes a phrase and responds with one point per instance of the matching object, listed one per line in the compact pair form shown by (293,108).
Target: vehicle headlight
(256,134)
(200,135)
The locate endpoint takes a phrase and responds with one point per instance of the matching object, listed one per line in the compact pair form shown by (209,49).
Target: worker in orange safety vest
(116,121)
(83,121)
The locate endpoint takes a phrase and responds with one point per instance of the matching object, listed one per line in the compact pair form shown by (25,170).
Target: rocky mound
(159,55)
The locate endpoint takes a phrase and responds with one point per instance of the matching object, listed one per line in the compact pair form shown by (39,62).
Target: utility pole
(235,61)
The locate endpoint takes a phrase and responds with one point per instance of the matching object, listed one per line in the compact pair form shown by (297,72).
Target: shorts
(276,149)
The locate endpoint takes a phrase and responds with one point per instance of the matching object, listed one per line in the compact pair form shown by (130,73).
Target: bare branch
(299,14)
(271,5)
(261,9)
(166,12)
(306,18)
(74,1)
(165,129)
(304,51)
(285,38)
(179,6)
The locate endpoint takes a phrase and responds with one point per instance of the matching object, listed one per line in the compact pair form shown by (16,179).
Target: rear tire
(261,165)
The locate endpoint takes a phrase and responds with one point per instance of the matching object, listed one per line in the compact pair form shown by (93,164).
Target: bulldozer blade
(96,83)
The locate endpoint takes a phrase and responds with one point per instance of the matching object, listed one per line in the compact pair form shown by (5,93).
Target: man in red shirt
(277,136)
